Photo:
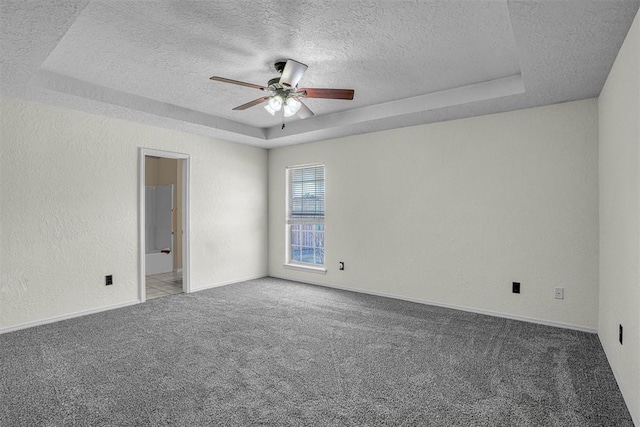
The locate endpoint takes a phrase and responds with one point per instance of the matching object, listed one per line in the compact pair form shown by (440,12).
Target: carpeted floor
(274,352)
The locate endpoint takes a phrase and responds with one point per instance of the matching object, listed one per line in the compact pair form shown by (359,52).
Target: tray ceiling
(409,62)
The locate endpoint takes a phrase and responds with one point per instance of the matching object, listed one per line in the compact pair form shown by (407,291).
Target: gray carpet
(274,352)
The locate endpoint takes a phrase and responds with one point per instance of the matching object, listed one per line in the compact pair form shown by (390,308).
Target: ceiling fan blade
(304,111)
(252,103)
(237,82)
(292,73)
(328,93)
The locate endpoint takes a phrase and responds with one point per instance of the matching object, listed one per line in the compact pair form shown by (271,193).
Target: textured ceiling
(410,62)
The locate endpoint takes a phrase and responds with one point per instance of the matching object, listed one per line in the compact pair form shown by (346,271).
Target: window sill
(309,268)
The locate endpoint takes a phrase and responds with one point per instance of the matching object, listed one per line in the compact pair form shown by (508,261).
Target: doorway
(164,231)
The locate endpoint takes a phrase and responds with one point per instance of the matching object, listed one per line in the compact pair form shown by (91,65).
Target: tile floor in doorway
(163,284)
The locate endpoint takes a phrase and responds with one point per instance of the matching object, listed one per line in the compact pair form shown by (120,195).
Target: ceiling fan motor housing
(275,82)
(279,66)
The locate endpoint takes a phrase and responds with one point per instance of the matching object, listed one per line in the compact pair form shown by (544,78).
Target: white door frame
(186,269)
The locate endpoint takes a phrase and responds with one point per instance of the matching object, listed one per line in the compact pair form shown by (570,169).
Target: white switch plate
(558,293)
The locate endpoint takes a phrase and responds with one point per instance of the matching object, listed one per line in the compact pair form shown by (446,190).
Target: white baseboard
(345,288)
(65,317)
(452,306)
(616,375)
(26,325)
(230,282)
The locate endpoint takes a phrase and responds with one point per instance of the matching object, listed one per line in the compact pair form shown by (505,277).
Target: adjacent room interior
(163,229)
(352,213)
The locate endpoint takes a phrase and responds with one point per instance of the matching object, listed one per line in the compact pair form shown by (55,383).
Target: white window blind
(305,195)
(305,214)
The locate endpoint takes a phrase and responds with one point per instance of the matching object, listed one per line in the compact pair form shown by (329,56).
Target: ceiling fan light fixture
(288,112)
(275,102)
(291,107)
(283,92)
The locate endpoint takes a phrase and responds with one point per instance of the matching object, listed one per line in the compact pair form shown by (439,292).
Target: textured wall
(68,212)
(619,127)
(454,212)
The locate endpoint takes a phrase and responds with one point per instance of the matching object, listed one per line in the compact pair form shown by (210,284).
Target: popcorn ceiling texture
(158,49)
(150,61)
(69,210)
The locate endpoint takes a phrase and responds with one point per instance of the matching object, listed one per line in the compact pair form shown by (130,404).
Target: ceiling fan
(284,93)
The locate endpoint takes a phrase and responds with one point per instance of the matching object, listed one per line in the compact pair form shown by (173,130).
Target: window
(305,215)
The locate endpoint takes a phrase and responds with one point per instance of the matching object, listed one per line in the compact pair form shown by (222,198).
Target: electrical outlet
(620,333)
(558,293)
(341,265)
(108,280)
(515,287)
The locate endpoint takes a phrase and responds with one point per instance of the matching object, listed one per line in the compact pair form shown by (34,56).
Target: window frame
(289,262)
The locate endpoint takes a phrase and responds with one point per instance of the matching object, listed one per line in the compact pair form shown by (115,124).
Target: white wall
(619,124)
(454,212)
(68,212)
